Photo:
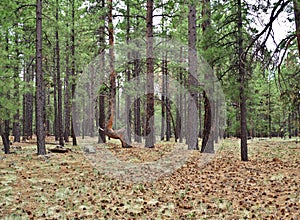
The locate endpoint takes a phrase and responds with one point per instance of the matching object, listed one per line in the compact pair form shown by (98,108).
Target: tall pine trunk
(168,103)
(163,100)
(242,79)
(150,133)
(55,123)
(59,83)
(179,117)
(40,88)
(16,123)
(207,137)
(5,133)
(192,127)
(67,89)
(137,102)
(73,74)
(128,73)
(101,98)
(67,97)
(28,103)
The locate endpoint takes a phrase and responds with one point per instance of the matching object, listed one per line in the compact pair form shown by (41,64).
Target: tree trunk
(179,125)
(217,121)
(200,117)
(55,123)
(128,112)
(137,102)
(5,133)
(67,92)
(269,109)
(163,102)
(16,123)
(171,118)
(40,90)
(242,78)
(101,97)
(59,83)
(5,137)
(84,120)
(90,109)
(101,137)
(207,141)
(168,103)
(128,99)
(208,136)
(112,78)
(290,123)
(150,133)
(48,103)
(28,104)
(297,119)
(192,134)
(67,97)
(73,74)
(185,118)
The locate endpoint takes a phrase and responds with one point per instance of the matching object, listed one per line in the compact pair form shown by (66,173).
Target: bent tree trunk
(112,78)
(207,143)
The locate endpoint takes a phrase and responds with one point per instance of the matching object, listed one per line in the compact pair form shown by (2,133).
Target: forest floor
(72,186)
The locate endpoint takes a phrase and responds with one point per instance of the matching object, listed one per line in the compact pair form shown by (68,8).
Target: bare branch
(274,15)
(25,6)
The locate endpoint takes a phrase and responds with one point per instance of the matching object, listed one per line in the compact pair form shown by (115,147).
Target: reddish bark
(112,78)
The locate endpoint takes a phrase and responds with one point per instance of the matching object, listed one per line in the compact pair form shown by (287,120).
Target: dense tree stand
(163,72)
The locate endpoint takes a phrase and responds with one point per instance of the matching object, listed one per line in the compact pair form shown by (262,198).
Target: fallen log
(59,149)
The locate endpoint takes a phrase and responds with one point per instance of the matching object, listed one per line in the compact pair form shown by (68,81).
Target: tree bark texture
(242,78)
(67,97)
(59,83)
(16,123)
(5,136)
(28,104)
(112,79)
(207,136)
(40,89)
(192,129)
(137,102)
(150,133)
(73,74)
